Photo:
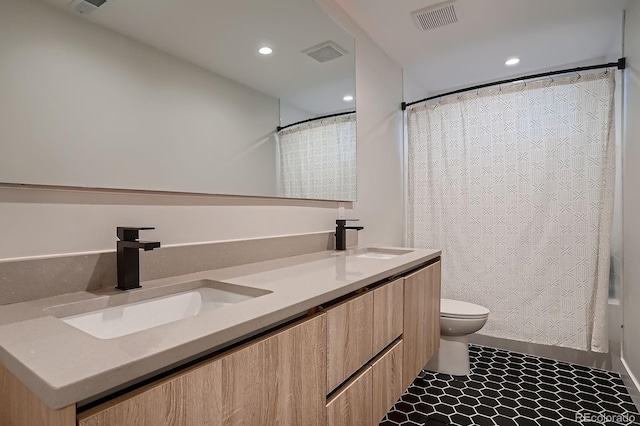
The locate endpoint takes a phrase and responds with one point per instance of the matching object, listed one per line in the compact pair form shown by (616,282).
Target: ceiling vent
(325,52)
(435,16)
(86,7)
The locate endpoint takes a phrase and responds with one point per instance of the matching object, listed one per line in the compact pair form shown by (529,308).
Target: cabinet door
(351,406)
(421,320)
(294,377)
(187,398)
(387,380)
(349,338)
(387,314)
(279,379)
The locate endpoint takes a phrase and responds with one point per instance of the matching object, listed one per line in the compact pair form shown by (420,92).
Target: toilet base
(452,357)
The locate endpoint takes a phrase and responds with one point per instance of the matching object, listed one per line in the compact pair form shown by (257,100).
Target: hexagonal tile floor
(512,389)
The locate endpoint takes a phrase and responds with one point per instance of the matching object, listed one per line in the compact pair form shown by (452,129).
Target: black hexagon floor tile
(508,388)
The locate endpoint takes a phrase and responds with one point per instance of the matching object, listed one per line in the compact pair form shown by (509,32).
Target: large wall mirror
(169,95)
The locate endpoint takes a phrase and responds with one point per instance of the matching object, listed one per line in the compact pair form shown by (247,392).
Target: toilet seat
(457,309)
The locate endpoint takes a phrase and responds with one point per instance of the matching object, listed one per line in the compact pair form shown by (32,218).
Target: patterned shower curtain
(515,185)
(318,159)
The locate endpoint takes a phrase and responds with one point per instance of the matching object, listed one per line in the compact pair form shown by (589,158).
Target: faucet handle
(130,233)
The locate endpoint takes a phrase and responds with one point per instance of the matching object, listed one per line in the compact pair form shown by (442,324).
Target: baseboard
(603,361)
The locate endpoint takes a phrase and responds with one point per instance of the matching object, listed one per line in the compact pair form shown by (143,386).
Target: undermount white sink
(117,321)
(383,254)
(376,255)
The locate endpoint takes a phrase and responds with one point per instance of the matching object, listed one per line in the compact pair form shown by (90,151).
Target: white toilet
(457,320)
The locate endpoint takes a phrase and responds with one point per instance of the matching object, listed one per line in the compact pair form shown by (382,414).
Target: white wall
(380,149)
(290,114)
(84,106)
(36,222)
(631,208)
(412,90)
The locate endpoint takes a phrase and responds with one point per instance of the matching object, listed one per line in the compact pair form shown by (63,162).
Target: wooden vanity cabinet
(363,352)
(421,334)
(275,380)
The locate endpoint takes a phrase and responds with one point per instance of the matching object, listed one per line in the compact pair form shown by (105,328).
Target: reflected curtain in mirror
(318,159)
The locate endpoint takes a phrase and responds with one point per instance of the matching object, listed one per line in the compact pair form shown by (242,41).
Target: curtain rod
(314,119)
(620,64)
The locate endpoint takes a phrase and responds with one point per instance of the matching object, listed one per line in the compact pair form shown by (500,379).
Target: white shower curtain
(516,186)
(318,159)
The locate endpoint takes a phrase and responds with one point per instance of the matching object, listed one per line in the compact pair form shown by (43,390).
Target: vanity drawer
(387,380)
(352,405)
(388,305)
(349,338)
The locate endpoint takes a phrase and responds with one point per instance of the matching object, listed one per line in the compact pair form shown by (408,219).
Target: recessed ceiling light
(512,61)
(265,50)
(347,98)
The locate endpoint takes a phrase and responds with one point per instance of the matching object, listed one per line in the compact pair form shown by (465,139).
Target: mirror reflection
(190,96)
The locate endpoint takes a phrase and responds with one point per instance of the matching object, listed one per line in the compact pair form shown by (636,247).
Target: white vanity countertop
(63,365)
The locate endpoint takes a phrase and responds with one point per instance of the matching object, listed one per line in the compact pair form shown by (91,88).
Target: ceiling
(545,34)
(224,37)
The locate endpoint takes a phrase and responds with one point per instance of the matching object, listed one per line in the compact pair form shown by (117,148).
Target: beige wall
(631,209)
(36,222)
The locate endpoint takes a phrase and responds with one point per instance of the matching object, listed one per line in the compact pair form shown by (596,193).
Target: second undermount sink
(128,318)
(382,253)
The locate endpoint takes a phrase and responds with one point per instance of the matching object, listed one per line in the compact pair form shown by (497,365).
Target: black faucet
(129,256)
(341,232)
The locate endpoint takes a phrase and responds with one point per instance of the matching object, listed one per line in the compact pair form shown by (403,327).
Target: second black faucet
(341,232)
(128,248)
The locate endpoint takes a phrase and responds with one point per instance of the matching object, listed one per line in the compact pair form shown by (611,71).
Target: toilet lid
(458,309)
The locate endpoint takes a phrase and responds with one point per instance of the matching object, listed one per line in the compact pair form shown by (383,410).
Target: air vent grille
(86,7)
(435,16)
(325,52)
